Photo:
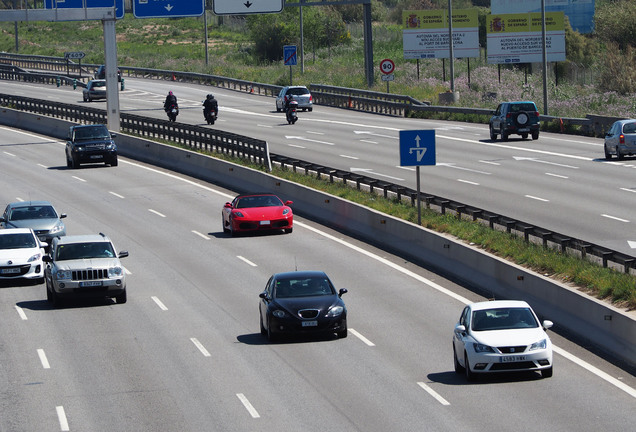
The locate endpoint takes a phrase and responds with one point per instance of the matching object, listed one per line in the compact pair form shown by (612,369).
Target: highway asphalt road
(185,352)
(559,182)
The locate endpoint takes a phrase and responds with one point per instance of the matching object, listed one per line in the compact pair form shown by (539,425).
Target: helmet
(170,93)
(210,96)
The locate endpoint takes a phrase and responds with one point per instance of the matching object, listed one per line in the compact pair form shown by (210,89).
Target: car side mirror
(228,205)
(547,324)
(459,328)
(123,254)
(288,203)
(63,215)
(264,296)
(47,258)
(342,291)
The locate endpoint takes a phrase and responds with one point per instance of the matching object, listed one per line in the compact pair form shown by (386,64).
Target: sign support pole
(419,201)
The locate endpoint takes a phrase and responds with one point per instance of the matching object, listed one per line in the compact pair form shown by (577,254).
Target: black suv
(90,144)
(520,118)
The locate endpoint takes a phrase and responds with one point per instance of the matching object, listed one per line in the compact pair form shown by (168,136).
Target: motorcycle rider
(288,107)
(171,99)
(210,103)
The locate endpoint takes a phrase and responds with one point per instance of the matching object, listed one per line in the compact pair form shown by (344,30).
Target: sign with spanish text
(516,38)
(425,34)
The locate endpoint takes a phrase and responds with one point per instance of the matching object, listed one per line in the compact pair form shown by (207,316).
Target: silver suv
(83,266)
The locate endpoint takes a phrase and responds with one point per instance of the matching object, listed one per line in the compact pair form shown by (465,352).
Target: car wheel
(74,162)
(260,319)
(288,230)
(470,376)
(504,136)
(493,135)
(85,99)
(535,135)
(524,136)
(90,99)
(310,109)
(122,298)
(608,156)
(69,163)
(619,155)
(49,296)
(55,299)
(344,332)
(458,367)
(271,336)
(114,162)
(547,373)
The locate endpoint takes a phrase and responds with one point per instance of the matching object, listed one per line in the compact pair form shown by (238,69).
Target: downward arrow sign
(169,7)
(247,4)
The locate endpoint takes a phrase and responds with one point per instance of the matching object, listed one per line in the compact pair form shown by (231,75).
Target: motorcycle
(173,112)
(210,115)
(290,112)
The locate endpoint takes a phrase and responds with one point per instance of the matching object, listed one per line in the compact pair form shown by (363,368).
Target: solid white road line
(21,313)
(245,260)
(615,218)
(43,359)
(246,403)
(537,198)
(116,194)
(61,416)
(433,393)
(79,178)
(157,213)
(468,182)
(159,303)
(203,236)
(198,344)
(362,338)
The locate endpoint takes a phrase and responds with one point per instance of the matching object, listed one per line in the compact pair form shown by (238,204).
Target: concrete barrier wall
(609,328)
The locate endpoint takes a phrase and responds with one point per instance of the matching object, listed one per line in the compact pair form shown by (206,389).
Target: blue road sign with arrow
(79,4)
(417,147)
(167,8)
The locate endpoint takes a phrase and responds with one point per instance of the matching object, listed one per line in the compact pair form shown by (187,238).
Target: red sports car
(257,212)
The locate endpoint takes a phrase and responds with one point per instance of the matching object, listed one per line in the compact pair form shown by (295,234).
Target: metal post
(450,45)
(205,25)
(112,91)
(302,40)
(419,201)
(545,60)
(368,42)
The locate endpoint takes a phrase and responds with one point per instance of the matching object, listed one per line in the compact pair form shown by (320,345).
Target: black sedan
(302,302)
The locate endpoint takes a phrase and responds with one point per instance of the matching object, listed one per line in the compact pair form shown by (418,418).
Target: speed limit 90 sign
(387,66)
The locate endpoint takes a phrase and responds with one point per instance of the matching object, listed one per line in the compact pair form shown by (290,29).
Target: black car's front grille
(512,349)
(91,274)
(308,313)
(93,147)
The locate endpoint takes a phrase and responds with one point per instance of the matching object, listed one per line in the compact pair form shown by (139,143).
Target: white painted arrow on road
(519,158)
(632,244)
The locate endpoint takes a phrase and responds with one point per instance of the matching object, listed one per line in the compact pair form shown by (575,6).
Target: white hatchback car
(501,336)
(300,94)
(21,255)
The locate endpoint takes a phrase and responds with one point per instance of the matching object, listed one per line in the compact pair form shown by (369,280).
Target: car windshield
(17,241)
(87,250)
(303,287)
(32,212)
(258,201)
(503,319)
(90,133)
(99,84)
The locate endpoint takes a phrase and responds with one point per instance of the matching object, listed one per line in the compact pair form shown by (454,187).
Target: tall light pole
(450,45)
(545,60)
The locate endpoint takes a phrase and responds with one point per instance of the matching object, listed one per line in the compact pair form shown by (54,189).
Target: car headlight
(279,313)
(542,344)
(115,272)
(80,148)
(63,275)
(111,146)
(35,257)
(335,311)
(56,229)
(286,211)
(481,348)
(238,214)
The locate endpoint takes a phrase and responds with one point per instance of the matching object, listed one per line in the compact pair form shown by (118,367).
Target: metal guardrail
(192,136)
(201,138)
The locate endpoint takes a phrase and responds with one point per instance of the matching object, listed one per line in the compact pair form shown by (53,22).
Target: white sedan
(21,255)
(501,336)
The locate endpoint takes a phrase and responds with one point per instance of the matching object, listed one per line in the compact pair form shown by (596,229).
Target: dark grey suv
(520,118)
(90,144)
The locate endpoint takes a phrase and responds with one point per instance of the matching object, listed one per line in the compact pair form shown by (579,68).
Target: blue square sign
(56,4)
(289,55)
(417,147)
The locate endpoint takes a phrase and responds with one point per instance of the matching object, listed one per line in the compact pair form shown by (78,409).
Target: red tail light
(621,139)
(311,98)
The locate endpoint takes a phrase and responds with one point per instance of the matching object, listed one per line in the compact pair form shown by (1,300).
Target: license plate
(524,130)
(310,323)
(265,222)
(90,284)
(96,156)
(10,270)
(512,359)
